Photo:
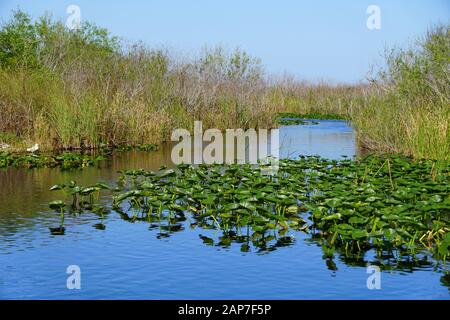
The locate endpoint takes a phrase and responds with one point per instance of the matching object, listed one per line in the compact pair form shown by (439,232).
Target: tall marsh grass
(408,106)
(82,89)
(85,88)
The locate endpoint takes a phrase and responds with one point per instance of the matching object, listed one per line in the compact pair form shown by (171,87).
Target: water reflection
(25,193)
(31,235)
(330,139)
(445,280)
(390,259)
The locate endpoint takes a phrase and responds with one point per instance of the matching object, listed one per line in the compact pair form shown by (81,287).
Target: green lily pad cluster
(82,197)
(378,202)
(291,118)
(294,122)
(147,147)
(65,160)
(317,116)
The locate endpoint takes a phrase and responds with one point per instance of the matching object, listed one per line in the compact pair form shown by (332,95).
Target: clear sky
(312,40)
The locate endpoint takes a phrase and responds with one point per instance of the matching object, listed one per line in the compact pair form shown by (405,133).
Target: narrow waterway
(128,260)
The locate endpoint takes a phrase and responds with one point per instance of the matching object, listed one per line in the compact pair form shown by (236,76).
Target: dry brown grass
(81,90)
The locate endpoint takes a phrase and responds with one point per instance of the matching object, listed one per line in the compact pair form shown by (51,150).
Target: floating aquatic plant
(59,207)
(82,197)
(291,118)
(141,147)
(294,122)
(352,206)
(317,116)
(65,160)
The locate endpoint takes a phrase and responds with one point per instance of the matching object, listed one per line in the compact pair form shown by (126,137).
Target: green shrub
(408,108)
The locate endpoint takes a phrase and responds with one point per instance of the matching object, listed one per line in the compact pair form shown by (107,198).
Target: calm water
(132,261)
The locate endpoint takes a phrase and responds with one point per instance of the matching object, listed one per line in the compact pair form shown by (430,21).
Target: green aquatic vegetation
(59,207)
(102,212)
(147,147)
(65,160)
(82,197)
(291,118)
(294,122)
(353,206)
(316,116)
(141,147)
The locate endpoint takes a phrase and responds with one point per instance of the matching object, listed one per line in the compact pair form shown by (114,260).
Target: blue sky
(312,40)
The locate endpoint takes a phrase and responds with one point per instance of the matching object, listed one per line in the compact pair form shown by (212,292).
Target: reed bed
(84,89)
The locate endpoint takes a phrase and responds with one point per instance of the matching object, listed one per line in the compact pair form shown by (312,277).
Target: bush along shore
(387,204)
(82,89)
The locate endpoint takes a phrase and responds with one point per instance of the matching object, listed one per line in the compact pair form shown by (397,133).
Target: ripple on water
(127,260)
